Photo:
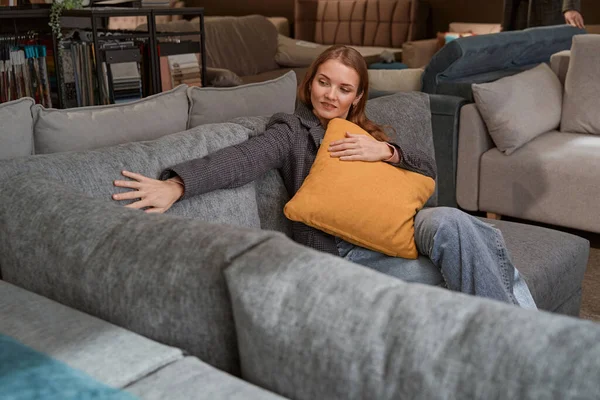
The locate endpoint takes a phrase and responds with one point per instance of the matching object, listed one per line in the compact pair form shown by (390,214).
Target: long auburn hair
(353,59)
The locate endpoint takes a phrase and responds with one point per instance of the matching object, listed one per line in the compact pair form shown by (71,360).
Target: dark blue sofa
(486,58)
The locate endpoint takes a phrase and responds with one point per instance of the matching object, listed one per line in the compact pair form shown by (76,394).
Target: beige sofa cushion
(401,80)
(520,107)
(580,111)
(478,29)
(16,128)
(552,179)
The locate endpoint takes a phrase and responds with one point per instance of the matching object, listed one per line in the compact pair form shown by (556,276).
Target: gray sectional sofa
(217,294)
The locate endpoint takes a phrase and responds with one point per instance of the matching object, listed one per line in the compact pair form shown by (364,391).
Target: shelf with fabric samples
(181,55)
(93,52)
(27,55)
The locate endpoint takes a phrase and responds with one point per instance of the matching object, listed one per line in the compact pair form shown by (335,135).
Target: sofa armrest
(282,24)
(559,62)
(474,141)
(445,111)
(416,54)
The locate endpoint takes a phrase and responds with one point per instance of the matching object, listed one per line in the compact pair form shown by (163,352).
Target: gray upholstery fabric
(314,326)
(518,108)
(16,128)
(110,354)
(154,274)
(445,114)
(559,62)
(552,263)
(190,378)
(210,105)
(473,142)
(86,128)
(408,113)
(93,172)
(582,87)
(552,179)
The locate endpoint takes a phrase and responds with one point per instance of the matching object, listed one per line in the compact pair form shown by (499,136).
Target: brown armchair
(380,23)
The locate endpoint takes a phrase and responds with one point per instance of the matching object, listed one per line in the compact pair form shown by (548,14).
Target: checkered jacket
(521,14)
(289,143)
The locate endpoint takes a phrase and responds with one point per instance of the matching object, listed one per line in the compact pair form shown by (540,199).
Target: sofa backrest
(383,23)
(245,45)
(154,274)
(92,172)
(485,58)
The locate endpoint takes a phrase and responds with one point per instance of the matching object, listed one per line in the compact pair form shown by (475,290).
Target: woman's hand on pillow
(360,148)
(154,195)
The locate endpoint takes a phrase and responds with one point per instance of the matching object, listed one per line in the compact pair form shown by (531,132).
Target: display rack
(18,19)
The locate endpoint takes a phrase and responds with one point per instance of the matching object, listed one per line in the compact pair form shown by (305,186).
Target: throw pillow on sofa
(16,128)
(580,111)
(370,204)
(518,108)
(209,105)
(93,172)
(87,128)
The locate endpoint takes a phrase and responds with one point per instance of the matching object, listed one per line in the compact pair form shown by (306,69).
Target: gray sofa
(552,174)
(213,279)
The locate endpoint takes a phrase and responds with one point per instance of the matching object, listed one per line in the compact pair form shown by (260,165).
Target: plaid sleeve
(240,164)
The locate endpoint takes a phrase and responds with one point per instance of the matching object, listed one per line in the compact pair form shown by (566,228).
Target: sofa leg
(494,216)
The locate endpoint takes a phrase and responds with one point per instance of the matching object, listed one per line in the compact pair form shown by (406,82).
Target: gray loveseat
(549,173)
(248,301)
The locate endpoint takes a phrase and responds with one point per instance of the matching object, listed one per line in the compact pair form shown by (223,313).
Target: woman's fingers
(127,195)
(133,175)
(344,153)
(127,184)
(155,210)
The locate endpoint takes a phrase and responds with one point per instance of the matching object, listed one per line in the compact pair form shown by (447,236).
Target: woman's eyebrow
(343,84)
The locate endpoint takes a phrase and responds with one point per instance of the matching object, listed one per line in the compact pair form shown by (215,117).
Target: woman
(336,86)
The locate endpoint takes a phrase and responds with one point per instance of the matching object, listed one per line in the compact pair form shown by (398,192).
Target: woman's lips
(328,106)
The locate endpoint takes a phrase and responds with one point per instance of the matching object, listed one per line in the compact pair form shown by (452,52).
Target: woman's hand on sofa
(154,195)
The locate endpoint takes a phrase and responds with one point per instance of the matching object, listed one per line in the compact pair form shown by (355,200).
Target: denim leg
(420,270)
(471,254)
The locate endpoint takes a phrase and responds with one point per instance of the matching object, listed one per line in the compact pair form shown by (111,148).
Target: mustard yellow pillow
(370,204)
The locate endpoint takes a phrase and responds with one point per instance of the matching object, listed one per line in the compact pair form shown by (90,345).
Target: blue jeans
(470,254)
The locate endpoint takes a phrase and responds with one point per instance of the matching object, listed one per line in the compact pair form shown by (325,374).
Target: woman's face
(333,90)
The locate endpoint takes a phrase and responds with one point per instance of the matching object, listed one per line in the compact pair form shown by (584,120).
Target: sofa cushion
(518,108)
(28,374)
(154,274)
(582,87)
(317,327)
(16,128)
(210,105)
(191,378)
(87,128)
(105,352)
(551,262)
(402,80)
(297,53)
(552,179)
(93,172)
(370,204)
